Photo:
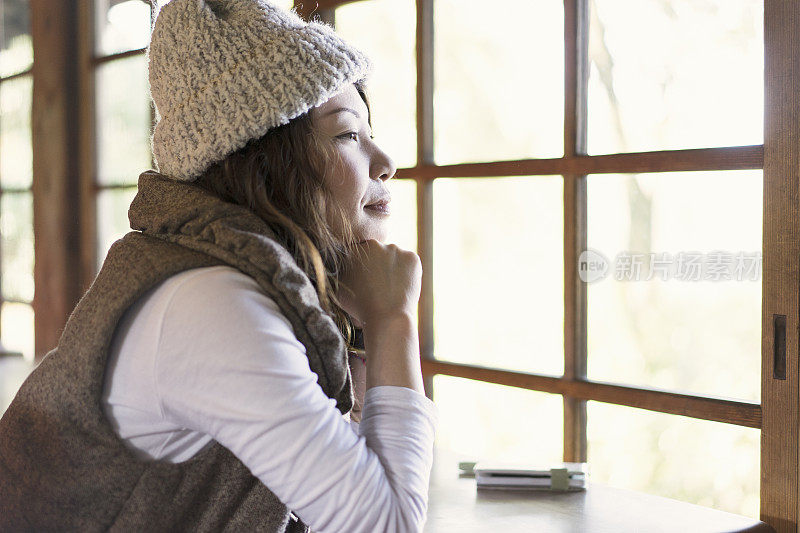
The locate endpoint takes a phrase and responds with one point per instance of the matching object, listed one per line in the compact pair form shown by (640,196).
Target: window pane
(695,326)
(123,121)
(16,230)
(705,463)
(13,371)
(16,159)
(498,272)
(122,25)
(499,86)
(16,324)
(403,220)
(498,423)
(385,30)
(112,218)
(669,74)
(17,336)
(17,53)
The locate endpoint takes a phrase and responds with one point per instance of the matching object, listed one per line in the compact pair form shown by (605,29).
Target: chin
(368,229)
(378,235)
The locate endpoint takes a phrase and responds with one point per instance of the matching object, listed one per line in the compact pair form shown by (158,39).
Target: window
(576,125)
(632,129)
(16,199)
(123,113)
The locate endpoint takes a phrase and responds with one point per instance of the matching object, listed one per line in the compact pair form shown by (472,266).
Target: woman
(203,381)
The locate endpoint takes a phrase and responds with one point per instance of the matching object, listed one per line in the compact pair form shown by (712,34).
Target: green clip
(559,479)
(466,466)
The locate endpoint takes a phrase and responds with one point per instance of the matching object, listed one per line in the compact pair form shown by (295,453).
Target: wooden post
(424,55)
(56,220)
(576,30)
(780,397)
(86,135)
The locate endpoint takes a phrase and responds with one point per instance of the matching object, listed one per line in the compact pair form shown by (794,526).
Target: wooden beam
(88,146)
(576,70)
(56,221)
(99,60)
(576,76)
(424,99)
(729,158)
(16,75)
(705,408)
(780,395)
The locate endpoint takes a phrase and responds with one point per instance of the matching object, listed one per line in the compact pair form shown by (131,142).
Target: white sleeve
(229,365)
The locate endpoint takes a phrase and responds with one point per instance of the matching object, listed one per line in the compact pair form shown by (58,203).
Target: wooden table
(456,506)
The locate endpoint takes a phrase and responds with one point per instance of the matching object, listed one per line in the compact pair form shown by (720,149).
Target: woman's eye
(350,135)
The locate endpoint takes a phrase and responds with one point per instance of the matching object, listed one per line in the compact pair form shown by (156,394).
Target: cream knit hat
(223,72)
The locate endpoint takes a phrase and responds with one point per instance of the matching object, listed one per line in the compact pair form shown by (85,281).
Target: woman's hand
(379,287)
(381,281)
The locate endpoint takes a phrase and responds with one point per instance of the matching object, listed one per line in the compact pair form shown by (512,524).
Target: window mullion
(425,80)
(576,30)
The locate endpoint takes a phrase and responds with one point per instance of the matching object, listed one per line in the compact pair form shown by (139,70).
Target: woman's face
(358,178)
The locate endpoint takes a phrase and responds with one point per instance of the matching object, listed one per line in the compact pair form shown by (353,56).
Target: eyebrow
(341,109)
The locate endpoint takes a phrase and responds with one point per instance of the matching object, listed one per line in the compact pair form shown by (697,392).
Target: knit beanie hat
(223,72)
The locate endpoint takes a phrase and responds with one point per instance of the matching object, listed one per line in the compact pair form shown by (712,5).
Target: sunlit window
(663,74)
(675,74)
(683,279)
(679,305)
(123,114)
(16,199)
(498,86)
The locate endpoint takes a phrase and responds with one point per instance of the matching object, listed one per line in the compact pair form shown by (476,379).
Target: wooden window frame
(65,191)
(91,185)
(779,157)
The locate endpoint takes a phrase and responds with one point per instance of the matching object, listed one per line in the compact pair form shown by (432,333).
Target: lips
(380,206)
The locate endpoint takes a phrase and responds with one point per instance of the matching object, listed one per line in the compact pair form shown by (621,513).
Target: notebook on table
(517,476)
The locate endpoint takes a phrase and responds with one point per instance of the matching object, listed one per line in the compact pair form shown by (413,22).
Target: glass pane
(385,30)
(123,121)
(498,423)
(695,325)
(16,229)
(17,336)
(705,463)
(13,371)
(16,157)
(498,272)
(16,325)
(499,89)
(403,220)
(122,25)
(17,53)
(669,74)
(112,218)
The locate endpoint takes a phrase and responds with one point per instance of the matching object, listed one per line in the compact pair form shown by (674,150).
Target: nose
(383,166)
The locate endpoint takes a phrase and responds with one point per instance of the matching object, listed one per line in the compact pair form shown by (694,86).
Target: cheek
(347,187)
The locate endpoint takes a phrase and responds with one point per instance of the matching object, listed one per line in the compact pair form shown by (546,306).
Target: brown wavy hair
(282,178)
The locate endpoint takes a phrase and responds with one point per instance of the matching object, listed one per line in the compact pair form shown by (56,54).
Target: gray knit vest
(62,466)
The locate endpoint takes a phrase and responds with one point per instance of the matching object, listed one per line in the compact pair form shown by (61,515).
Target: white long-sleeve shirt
(206,355)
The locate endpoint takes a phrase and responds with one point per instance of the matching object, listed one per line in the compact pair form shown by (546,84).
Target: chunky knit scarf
(62,466)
